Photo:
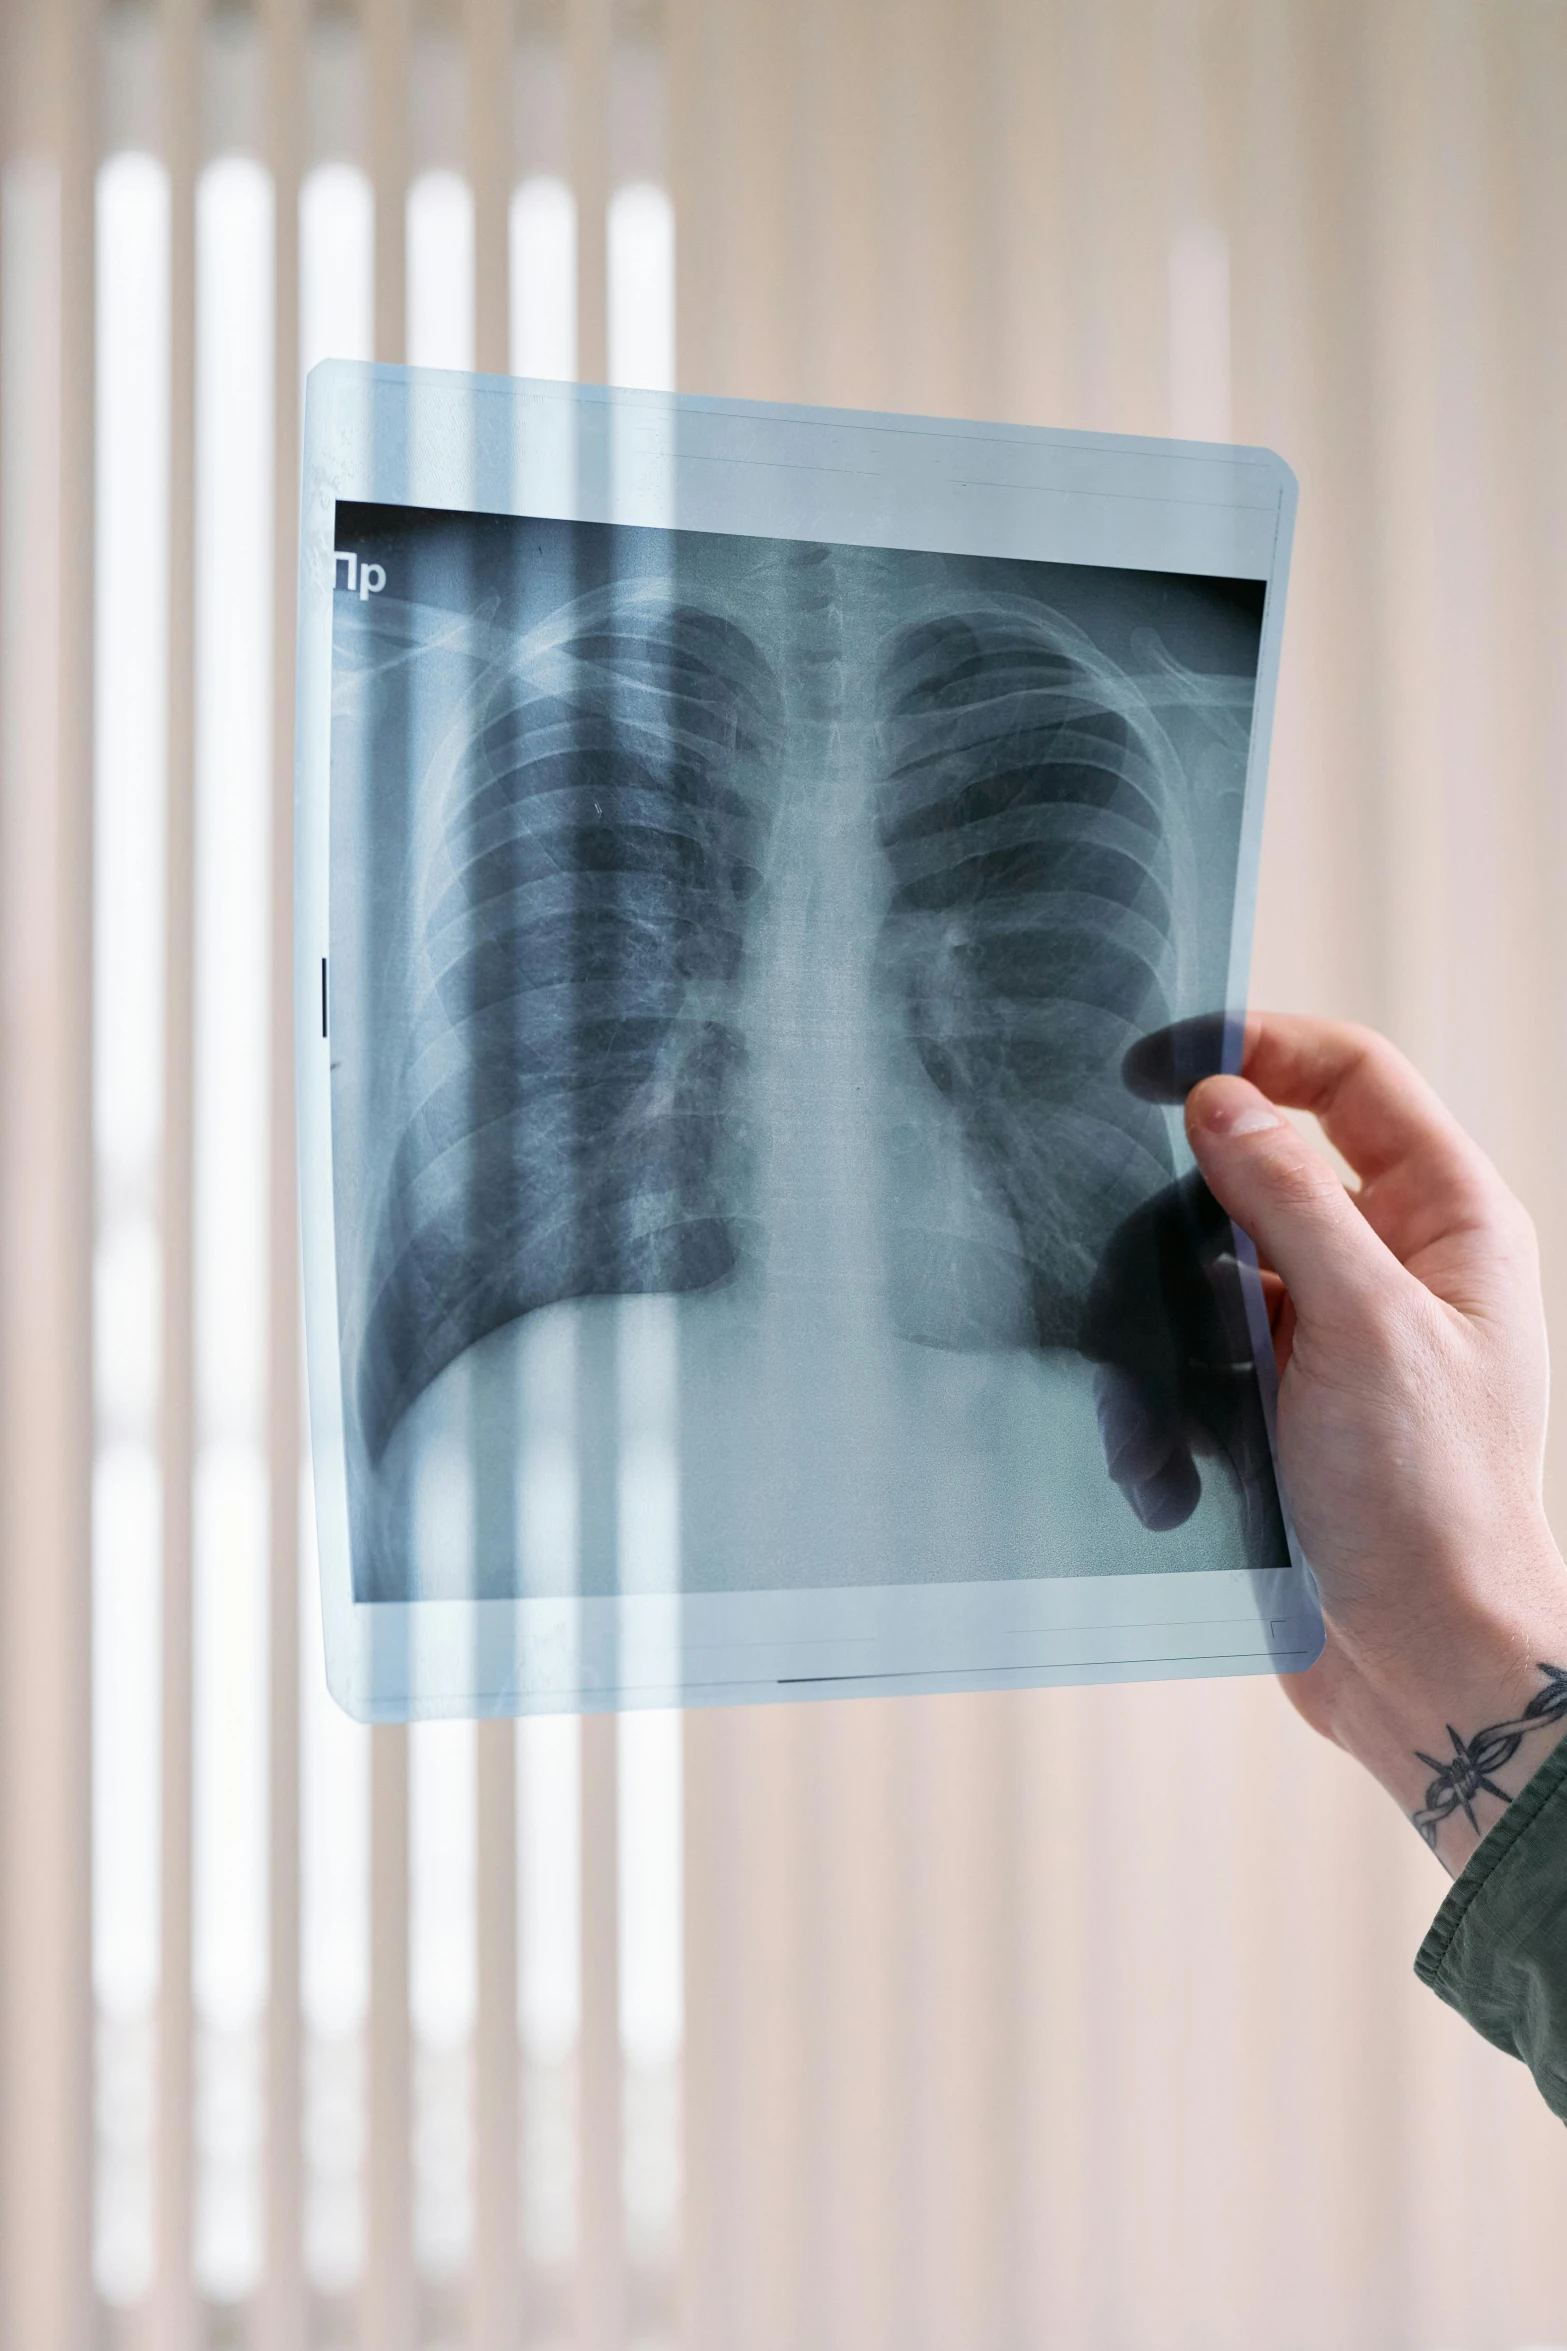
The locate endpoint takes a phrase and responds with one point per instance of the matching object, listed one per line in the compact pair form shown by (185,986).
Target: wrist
(1456,1705)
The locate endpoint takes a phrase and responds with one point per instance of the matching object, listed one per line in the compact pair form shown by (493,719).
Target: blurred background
(1078,2018)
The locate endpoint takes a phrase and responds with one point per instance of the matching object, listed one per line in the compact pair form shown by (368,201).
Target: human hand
(1410,1339)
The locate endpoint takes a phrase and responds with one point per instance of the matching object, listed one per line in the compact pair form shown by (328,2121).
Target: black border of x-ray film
(425,439)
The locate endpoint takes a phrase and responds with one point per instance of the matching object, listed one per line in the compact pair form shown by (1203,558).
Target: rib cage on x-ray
(590,843)
(588,1102)
(1031,934)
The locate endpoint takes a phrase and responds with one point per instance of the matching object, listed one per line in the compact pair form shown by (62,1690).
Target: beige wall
(1079,2018)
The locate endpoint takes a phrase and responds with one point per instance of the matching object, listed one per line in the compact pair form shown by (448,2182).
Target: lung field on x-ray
(1031,933)
(761,921)
(564,1121)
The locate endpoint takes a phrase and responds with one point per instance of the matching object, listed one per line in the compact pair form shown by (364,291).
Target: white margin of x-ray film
(383,434)
(352,401)
(1248,862)
(592,1654)
(504,444)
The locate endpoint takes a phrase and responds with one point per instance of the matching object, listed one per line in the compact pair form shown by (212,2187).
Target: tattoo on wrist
(1466,1773)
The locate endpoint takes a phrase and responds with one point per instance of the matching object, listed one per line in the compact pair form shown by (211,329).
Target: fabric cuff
(1490,1856)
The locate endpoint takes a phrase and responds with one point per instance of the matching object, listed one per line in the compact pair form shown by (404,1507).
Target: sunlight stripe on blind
(234,992)
(130,612)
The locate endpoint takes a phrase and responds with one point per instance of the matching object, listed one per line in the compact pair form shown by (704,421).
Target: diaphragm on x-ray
(750,863)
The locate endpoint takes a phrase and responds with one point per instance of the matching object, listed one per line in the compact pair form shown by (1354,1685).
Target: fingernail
(1224,1115)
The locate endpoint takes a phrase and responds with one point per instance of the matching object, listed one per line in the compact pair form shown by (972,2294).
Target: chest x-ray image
(760,1262)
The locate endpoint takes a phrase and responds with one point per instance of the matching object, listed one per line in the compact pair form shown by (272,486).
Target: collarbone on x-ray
(736,1183)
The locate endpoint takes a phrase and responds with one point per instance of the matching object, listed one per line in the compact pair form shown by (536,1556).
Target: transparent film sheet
(750,1249)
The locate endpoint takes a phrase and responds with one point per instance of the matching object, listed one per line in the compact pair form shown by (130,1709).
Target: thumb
(1287,1198)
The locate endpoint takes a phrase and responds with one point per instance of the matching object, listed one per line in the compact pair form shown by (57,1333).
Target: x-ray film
(751,1247)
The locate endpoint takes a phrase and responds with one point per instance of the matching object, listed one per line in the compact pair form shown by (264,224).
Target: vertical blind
(1078,2017)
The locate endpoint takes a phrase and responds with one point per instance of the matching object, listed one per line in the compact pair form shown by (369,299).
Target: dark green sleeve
(1497,1951)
